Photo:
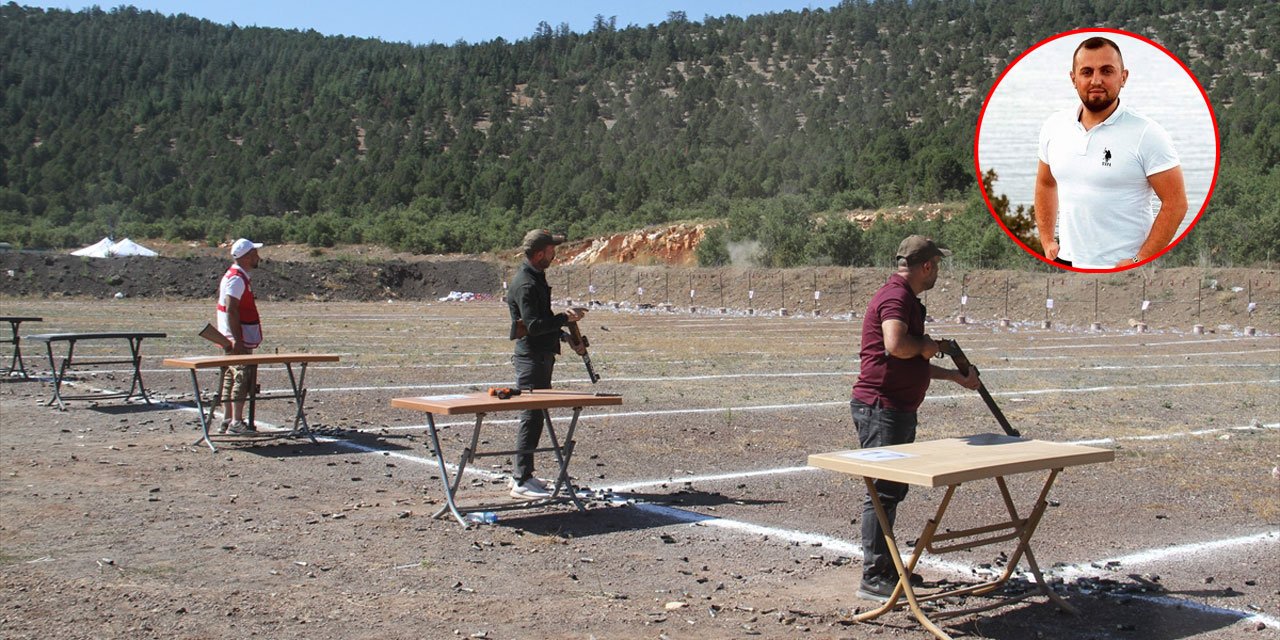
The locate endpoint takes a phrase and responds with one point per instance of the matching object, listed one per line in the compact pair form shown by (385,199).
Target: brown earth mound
(49,274)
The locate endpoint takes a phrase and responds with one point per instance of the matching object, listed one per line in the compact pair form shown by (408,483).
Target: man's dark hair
(1096,42)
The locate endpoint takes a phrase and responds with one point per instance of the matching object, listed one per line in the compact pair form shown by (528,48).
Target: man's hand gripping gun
(577,342)
(952,348)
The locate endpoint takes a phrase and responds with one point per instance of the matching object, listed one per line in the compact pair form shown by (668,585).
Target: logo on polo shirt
(1106,157)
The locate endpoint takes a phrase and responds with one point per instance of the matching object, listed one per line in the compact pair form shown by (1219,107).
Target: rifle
(575,338)
(952,348)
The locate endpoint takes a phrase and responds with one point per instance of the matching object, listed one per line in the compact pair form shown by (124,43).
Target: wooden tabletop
(96,335)
(482,402)
(939,463)
(208,362)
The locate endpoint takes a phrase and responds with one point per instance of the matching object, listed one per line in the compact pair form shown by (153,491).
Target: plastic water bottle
(481,517)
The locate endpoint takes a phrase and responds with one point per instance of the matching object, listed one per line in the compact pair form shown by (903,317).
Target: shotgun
(952,348)
(215,336)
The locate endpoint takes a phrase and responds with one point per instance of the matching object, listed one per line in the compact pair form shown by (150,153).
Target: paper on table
(875,455)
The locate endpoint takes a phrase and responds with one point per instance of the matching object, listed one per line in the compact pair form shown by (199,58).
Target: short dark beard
(1098,109)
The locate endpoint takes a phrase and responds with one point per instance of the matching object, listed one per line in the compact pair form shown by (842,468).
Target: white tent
(128,247)
(104,248)
(99,249)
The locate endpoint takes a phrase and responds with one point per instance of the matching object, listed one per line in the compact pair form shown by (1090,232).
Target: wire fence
(1156,299)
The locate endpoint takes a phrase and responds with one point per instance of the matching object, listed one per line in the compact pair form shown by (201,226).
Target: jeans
(879,426)
(533,371)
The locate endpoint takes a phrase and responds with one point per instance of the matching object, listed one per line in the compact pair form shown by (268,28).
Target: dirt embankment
(49,274)
(1222,300)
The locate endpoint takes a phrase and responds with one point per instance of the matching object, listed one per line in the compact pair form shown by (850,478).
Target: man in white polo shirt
(1100,163)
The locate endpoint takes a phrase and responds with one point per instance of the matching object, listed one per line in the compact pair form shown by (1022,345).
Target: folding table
(481,404)
(15,364)
(134,338)
(297,385)
(951,462)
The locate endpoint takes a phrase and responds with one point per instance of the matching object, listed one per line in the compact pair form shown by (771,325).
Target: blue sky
(425,21)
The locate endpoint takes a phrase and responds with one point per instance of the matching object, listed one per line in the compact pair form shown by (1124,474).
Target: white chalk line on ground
(850,373)
(854,550)
(818,405)
(713,376)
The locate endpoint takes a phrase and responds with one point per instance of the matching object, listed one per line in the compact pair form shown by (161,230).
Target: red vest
(248,308)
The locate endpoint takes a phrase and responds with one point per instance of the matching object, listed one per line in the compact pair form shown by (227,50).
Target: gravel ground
(116,525)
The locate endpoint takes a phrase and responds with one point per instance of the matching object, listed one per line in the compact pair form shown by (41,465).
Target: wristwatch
(1135,260)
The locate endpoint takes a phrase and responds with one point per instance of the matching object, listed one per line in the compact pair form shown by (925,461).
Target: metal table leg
(204,422)
(15,363)
(450,488)
(135,347)
(904,574)
(59,372)
(1017,528)
(299,386)
(563,455)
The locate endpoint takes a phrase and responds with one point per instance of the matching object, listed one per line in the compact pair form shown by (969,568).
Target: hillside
(160,126)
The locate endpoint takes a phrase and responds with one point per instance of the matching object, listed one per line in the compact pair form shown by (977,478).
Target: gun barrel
(952,348)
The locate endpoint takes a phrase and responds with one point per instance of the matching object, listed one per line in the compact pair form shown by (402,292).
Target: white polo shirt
(1105,203)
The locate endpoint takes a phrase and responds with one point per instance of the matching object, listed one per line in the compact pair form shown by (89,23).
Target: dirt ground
(117,525)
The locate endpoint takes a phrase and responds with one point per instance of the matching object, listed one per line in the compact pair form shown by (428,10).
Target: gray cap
(538,238)
(918,249)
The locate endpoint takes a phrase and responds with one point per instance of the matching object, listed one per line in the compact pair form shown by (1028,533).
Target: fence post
(1096,326)
(1004,320)
(1142,313)
(1250,330)
(782,278)
(1048,303)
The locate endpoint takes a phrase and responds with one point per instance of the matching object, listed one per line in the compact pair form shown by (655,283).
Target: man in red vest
(238,321)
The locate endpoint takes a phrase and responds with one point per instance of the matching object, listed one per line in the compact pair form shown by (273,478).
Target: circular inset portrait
(1097,150)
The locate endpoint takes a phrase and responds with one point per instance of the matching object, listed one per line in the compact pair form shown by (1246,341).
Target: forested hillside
(150,126)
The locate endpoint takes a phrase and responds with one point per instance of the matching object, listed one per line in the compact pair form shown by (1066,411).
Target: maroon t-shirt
(897,383)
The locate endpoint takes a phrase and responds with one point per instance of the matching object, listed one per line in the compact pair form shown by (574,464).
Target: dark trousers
(881,427)
(533,371)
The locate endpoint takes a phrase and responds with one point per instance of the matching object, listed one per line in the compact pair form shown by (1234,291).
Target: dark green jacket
(529,299)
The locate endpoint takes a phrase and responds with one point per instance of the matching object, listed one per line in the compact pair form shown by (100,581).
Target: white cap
(243,246)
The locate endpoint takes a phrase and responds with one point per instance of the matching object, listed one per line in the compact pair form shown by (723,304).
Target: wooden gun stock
(952,348)
(576,339)
(213,335)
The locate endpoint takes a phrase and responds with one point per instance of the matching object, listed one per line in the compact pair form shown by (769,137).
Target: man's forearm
(1163,229)
(1046,203)
(1046,214)
(233,322)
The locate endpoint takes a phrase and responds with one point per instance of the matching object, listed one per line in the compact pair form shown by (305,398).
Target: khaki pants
(238,381)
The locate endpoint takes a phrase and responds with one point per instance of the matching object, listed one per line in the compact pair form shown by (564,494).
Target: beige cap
(918,249)
(539,238)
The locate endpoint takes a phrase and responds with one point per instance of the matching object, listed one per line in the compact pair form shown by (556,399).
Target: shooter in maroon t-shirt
(893,378)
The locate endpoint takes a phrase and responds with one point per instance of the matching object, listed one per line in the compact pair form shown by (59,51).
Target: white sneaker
(530,489)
